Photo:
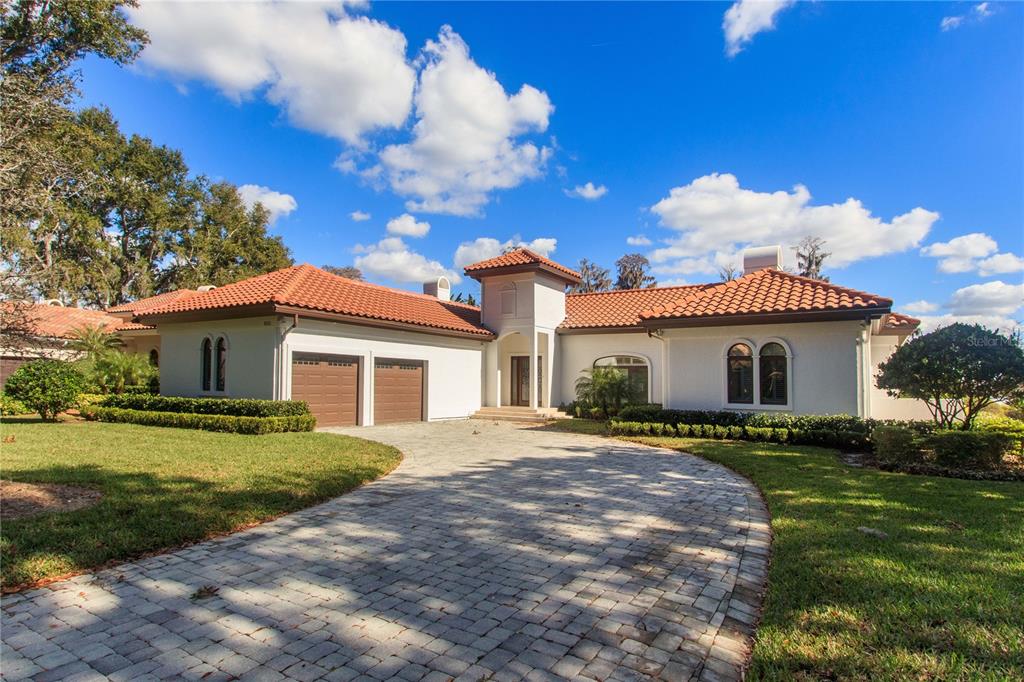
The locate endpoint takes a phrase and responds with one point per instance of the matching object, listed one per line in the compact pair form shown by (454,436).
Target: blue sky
(894,131)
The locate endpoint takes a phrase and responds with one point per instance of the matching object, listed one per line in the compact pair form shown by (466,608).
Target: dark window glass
(222,360)
(740,363)
(204,363)
(773,374)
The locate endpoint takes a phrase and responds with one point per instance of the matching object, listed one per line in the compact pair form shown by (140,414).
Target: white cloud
(746,18)
(483,248)
(1000,323)
(990,298)
(587,191)
(949,23)
(717,218)
(999,264)
(332,72)
(638,240)
(391,259)
(464,140)
(919,307)
(407,226)
(278,203)
(978,13)
(359,216)
(973,252)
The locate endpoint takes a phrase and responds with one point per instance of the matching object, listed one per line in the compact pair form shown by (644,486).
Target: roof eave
(765,318)
(384,324)
(524,267)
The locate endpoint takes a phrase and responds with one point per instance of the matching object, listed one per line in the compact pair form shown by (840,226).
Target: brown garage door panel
(330,384)
(397,391)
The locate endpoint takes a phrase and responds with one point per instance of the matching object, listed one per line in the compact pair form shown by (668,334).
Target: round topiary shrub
(45,386)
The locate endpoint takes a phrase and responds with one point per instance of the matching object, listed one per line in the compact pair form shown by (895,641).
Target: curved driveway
(493,552)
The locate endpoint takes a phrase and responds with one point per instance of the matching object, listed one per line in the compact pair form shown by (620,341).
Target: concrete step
(527,418)
(519,413)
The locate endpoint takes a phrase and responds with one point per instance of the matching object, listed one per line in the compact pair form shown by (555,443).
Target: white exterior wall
(250,363)
(882,405)
(577,352)
(824,367)
(453,366)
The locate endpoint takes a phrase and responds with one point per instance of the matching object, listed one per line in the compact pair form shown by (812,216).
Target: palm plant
(604,387)
(113,371)
(93,341)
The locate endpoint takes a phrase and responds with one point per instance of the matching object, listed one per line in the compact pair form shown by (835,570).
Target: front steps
(512,413)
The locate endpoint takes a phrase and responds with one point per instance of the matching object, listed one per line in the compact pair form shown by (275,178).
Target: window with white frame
(637,373)
(758,375)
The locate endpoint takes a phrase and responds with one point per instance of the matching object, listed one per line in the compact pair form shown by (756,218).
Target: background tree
(634,272)
(810,256)
(727,273)
(592,278)
(346,271)
(957,371)
(40,41)
(468,299)
(229,242)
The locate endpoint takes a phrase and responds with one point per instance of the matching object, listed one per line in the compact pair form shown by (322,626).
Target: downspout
(665,374)
(280,359)
(864,369)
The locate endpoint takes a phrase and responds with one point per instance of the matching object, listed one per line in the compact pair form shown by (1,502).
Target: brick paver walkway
(493,552)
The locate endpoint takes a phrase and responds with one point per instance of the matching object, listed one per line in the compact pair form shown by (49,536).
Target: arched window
(740,373)
(773,375)
(206,352)
(637,373)
(154,357)
(222,363)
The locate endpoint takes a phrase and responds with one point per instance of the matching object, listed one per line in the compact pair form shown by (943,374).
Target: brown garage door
(330,384)
(397,391)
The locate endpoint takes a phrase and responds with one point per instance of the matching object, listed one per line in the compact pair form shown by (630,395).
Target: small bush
(757,434)
(205,422)
(897,445)
(596,413)
(48,387)
(86,399)
(969,449)
(10,407)
(736,432)
(780,435)
(234,407)
(683,430)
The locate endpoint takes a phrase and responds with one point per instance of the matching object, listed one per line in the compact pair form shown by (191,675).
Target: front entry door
(521,379)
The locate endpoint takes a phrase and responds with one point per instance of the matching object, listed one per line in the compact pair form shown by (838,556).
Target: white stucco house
(361,353)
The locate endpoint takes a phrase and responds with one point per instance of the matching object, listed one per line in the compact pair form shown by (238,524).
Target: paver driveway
(494,551)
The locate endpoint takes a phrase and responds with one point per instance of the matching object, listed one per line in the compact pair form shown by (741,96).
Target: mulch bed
(19,500)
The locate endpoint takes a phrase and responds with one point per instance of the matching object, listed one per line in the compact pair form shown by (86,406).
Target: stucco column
(492,374)
(549,369)
(533,368)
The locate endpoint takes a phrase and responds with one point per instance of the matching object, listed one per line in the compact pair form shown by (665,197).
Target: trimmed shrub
(86,399)
(683,430)
(780,435)
(233,407)
(758,434)
(48,387)
(206,422)
(969,449)
(897,445)
(736,432)
(10,407)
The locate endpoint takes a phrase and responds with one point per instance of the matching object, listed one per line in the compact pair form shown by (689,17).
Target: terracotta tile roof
(766,292)
(305,286)
(152,302)
(900,323)
(619,308)
(60,322)
(518,257)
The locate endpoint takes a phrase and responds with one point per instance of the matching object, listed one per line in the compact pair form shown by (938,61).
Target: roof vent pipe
(206,287)
(762,258)
(440,288)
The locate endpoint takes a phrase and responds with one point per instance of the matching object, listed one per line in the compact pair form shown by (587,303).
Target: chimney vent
(762,258)
(206,287)
(441,288)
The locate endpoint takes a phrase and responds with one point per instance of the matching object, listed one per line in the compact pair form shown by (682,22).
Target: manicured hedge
(843,440)
(234,407)
(984,450)
(206,422)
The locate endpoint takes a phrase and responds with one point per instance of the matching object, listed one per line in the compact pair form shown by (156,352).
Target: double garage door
(330,384)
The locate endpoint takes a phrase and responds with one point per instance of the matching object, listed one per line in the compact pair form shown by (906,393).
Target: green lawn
(164,487)
(941,598)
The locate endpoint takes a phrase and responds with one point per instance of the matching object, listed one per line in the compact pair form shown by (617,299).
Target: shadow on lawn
(492,557)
